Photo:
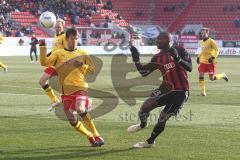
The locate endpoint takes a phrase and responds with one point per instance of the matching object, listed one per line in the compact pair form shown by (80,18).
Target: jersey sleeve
(148,68)
(46,61)
(183,53)
(215,48)
(200,51)
(186,61)
(51,60)
(88,62)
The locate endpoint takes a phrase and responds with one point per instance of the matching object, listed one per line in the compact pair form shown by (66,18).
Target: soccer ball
(47,20)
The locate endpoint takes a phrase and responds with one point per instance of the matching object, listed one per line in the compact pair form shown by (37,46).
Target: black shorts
(172,101)
(33,50)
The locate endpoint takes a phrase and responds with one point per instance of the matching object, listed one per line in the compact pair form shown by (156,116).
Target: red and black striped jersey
(173,72)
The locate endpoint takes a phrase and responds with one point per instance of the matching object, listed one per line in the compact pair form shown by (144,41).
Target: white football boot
(135,128)
(144,144)
(225,77)
(53,106)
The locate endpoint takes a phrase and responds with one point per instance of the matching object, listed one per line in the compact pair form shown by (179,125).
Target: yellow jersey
(71,78)
(1,38)
(59,42)
(208,49)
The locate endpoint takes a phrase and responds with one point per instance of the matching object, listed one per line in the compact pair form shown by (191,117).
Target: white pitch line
(20,87)
(19,94)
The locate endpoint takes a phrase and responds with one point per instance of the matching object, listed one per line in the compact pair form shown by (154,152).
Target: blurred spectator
(238,8)
(92,25)
(192,32)
(122,36)
(23,30)
(107,19)
(75,19)
(139,13)
(119,17)
(105,25)
(98,42)
(169,8)
(117,35)
(232,8)
(108,5)
(151,42)
(98,1)
(84,38)
(8,33)
(182,4)
(236,22)
(95,34)
(189,32)
(6,26)
(178,32)
(225,8)
(18,33)
(29,30)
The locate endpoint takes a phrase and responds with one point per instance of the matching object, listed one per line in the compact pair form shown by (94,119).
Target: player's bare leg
(202,84)
(211,77)
(49,91)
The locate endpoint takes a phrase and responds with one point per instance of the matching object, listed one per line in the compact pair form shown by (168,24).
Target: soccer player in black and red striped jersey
(33,49)
(173,63)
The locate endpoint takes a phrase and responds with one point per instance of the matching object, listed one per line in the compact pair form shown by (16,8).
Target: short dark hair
(71,32)
(164,34)
(205,29)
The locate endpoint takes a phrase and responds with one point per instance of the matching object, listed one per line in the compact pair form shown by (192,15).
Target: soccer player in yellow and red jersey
(1,64)
(4,67)
(72,65)
(207,60)
(59,42)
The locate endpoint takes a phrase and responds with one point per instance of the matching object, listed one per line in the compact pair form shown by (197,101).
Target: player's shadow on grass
(67,152)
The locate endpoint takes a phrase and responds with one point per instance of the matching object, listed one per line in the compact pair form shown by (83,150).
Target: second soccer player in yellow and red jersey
(59,42)
(5,67)
(207,60)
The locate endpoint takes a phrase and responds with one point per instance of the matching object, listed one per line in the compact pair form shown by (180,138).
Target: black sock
(143,118)
(45,87)
(158,129)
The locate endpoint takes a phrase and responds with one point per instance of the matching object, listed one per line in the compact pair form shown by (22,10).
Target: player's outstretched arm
(44,60)
(146,69)
(43,52)
(187,64)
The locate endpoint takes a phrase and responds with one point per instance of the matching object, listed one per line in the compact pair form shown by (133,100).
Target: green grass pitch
(208,128)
